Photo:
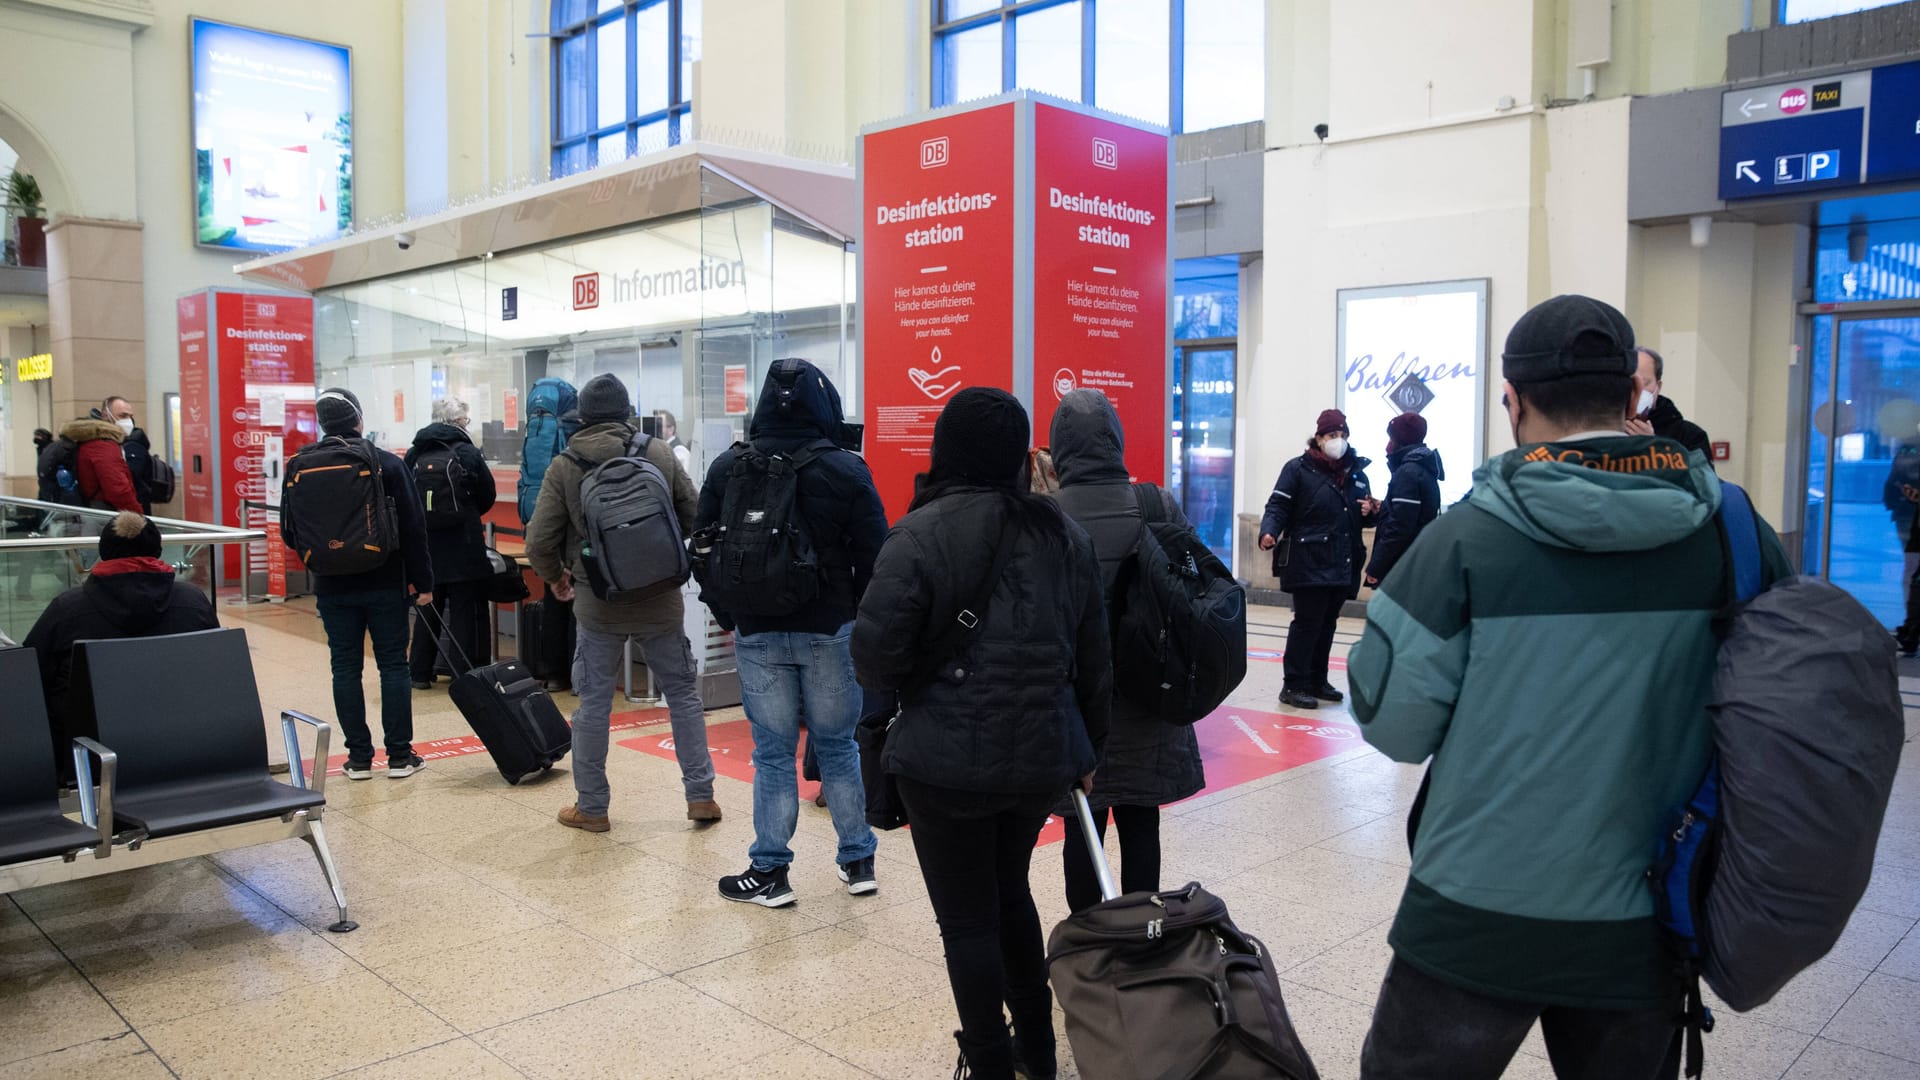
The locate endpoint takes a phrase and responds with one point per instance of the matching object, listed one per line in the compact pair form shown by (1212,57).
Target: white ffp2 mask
(1647,399)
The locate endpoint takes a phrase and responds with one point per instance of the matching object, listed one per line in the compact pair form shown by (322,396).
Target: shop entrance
(1202,460)
(1863,456)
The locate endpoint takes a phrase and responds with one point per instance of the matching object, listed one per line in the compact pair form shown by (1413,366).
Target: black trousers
(462,608)
(974,851)
(1139,854)
(1316,614)
(1424,1028)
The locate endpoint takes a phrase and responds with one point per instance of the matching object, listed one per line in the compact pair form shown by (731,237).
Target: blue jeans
(350,619)
(597,660)
(780,675)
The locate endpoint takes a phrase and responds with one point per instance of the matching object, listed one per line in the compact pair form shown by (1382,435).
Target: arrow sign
(1750,106)
(1744,171)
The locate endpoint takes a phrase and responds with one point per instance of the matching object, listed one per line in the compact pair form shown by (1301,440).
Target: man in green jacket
(1550,645)
(655,624)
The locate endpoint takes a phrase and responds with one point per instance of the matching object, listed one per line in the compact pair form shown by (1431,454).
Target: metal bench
(183,762)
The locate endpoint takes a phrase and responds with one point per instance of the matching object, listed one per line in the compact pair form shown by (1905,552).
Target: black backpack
(334,509)
(1179,620)
(441,480)
(160,481)
(761,561)
(59,473)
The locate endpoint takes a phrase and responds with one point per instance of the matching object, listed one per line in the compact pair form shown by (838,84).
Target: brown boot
(572,818)
(704,812)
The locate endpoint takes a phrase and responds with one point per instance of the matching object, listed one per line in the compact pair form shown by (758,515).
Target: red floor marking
(462,745)
(1272,656)
(1238,746)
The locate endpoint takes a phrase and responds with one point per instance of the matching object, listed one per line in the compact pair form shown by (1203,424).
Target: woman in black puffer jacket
(1148,762)
(457,542)
(1312,525)
(984,748)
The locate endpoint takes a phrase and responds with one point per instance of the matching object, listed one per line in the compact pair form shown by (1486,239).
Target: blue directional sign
(1893,132)
(1784,157)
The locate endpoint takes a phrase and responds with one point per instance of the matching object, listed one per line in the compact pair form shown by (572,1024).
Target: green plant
(23,192)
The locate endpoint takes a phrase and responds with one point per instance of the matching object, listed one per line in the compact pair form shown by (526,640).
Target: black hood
(1425,456)
(440,435)
(1088,444)
(798,404)
(1664,412)
(134,602)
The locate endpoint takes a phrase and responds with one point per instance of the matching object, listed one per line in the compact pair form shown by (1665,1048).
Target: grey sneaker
(858,875)
(402,767)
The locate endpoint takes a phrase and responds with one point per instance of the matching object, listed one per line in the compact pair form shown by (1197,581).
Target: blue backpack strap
(1742,529)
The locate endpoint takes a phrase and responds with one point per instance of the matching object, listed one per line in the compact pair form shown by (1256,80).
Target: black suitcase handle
(1095,849)
(430,616)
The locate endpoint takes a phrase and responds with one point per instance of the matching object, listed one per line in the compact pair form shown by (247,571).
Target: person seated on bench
(130,593)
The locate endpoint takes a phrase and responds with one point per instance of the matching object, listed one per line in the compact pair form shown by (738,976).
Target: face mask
(1335,448)
(126,424)
(1647,398)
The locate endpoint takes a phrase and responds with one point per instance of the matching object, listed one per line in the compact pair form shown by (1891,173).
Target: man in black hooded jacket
(1413,494)
(798,661)
(129,593)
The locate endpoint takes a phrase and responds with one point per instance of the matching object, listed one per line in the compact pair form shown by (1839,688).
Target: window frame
(1005,14)
(679,98)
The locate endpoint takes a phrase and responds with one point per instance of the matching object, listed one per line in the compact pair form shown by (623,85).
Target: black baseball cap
(1569,335)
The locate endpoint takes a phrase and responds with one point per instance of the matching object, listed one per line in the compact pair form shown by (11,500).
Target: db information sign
(1017,244)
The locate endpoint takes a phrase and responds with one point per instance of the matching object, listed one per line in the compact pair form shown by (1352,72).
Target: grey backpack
(632,549)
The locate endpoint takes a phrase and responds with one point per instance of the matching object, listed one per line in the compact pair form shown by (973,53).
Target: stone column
(96,296)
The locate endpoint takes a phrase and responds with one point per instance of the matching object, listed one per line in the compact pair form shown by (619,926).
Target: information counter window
(688,312)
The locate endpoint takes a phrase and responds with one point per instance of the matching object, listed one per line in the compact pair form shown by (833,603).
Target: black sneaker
(1299,699)
(358,770)
(768,888)
(422,685)
(1329,694)
(858,875)
(399,768)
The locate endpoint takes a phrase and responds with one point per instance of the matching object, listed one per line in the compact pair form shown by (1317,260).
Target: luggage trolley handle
(430,616)
(1095,848)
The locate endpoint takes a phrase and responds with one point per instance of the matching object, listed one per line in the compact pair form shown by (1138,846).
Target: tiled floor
(494,943)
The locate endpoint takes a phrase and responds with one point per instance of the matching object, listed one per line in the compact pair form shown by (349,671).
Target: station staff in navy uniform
(1313,526)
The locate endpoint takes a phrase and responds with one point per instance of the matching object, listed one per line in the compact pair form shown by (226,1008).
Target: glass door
(1203,387)
(1863,475)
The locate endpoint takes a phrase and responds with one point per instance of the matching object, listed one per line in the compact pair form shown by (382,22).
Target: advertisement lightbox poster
(272,138)
(1100,269)
(937,290)
(1416,348)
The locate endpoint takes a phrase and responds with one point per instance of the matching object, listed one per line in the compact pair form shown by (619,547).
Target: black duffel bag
(505,584)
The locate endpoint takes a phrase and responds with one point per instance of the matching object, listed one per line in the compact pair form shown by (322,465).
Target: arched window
(622,78)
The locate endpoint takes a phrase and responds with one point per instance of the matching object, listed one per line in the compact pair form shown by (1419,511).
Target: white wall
(67,107)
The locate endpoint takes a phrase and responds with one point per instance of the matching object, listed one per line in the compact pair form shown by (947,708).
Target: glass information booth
(688,302)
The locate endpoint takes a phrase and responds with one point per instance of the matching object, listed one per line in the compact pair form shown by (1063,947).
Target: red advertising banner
(197,421)
(1100,275)
(937,299)
(265,343)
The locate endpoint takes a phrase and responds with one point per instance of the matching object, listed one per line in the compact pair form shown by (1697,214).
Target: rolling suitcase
(515,719)
(545,637)
(1165,987)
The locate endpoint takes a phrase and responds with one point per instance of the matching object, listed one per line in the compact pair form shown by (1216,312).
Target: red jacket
(100,466)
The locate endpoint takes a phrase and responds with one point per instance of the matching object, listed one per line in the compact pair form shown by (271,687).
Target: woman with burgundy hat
(1313,526)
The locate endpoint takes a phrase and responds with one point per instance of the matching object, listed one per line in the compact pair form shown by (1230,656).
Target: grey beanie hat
(604,399)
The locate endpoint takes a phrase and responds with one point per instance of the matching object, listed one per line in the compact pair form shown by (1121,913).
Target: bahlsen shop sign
(1016,243)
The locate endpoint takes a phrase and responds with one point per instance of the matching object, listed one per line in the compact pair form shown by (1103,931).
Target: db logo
(1106,154)
(1793,100)
(1064,382)
(586,291)
(934,153)
(267,311)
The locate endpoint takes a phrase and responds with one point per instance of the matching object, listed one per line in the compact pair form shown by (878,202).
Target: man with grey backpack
(606,533)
